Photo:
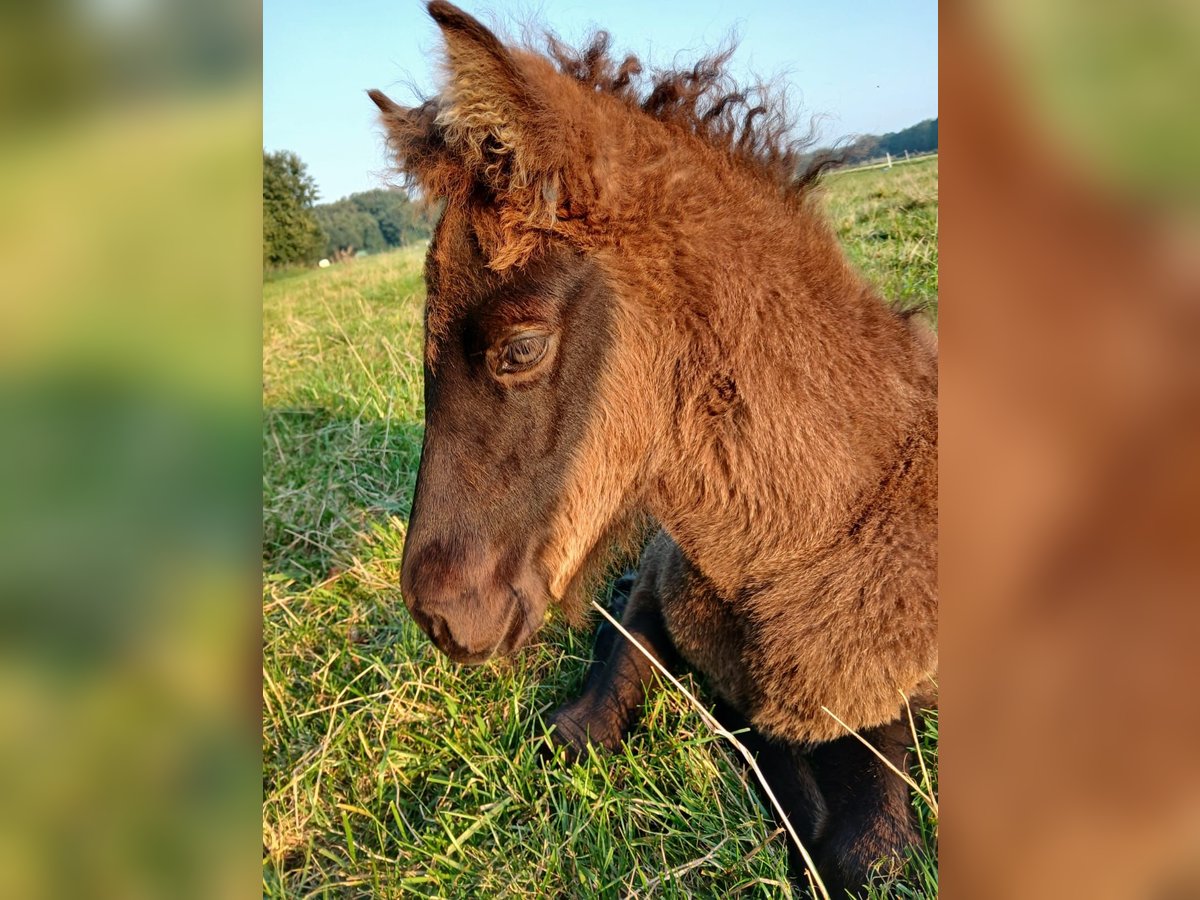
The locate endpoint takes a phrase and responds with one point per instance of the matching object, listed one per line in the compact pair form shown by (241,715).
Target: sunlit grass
(887,220)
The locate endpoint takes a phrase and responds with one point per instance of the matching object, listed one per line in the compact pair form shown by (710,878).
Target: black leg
(870,817)
(606,633)
(619,675)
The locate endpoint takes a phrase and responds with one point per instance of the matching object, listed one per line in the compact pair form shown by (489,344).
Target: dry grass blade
(718,729)
(912,724)
(679,870)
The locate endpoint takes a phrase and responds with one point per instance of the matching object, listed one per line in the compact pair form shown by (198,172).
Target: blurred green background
(129,375)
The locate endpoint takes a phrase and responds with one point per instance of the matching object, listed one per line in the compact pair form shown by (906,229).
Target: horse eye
(523,352)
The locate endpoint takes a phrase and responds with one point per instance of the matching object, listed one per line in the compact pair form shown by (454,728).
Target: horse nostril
(420,618)
(433,625)
(439,631)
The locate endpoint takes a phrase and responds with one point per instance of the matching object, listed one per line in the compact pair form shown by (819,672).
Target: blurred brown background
(1071,449)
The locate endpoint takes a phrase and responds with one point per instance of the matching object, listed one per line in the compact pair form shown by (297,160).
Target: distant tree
(864,147)
(291,233)
(919,138)
(391,211)
(347,227)
(373,221)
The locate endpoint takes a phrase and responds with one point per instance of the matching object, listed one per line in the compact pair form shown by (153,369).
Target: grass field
(389,771)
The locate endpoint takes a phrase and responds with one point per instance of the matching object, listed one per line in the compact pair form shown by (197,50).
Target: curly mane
(512,137)
(751,123)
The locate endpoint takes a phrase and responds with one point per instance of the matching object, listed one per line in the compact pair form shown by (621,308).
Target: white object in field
(324,264)
(889,156)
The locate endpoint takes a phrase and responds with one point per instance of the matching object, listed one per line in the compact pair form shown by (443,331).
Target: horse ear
(394,115)
(489,109)
(386,104)
(417,146)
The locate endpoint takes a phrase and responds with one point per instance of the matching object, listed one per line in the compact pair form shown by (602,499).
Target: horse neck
(798,389)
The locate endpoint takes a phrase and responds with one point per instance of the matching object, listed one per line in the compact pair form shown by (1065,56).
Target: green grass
(887,220)
(389,771)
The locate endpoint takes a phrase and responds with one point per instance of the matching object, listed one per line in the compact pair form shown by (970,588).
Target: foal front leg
(620,674)
(871,825)
(786,768)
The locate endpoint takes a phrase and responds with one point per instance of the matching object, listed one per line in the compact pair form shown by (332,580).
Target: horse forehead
(456,273)
(459,282)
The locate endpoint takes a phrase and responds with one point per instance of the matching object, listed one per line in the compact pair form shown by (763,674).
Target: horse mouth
(516,634)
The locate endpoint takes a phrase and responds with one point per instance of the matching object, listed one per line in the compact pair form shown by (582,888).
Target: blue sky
(868,66)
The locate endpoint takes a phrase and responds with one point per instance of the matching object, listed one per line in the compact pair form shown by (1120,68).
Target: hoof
(576,726)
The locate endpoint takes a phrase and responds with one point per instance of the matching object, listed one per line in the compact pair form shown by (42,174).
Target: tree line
(372,221)
(298,231)
(919,138)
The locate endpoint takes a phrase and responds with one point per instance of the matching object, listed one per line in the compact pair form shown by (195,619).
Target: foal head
(515,494)
(549,370)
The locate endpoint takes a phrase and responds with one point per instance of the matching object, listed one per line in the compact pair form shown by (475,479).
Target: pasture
(389,771)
